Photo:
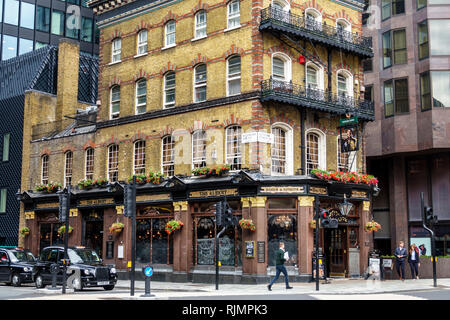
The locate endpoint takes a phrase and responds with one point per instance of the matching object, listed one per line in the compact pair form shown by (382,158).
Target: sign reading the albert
(213,193)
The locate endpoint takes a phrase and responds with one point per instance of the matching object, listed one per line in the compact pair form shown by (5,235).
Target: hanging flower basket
(312,224)
(24,231)
(62,230)
(116,227)
(372,226)
(173,225)
(345,177)
(247,224)
(52,187)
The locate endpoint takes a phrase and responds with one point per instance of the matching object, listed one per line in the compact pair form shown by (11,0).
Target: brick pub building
(258,85)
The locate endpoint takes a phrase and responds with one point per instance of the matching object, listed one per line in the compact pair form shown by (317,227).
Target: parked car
(16,266)
(84,269)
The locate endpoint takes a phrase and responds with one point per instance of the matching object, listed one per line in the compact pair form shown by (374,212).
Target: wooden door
(337,251)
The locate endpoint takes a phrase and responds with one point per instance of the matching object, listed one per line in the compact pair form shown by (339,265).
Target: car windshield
(21,256)
(83,256)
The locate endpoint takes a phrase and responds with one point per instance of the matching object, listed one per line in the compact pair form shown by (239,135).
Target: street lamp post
(66,240)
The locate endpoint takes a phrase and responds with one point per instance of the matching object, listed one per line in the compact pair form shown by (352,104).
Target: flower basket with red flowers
(116,227)
(173,225)
(140,179)
(372,226)
(247,224)
(89,183)
(155,177)
(212,172)
(52,187)
(345,177)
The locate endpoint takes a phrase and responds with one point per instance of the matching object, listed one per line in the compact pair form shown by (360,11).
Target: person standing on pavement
(280,268)
(400,254)
(423,250)
(414,261)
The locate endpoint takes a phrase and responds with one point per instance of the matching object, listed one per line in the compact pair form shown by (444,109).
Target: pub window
(200,24)
(115,102)
(422,29)
(113,162)
(169,90)
(234,75)
(234,14)
(89,164)
(44,169)
(116,50)
(141,96)
(168,156)
(282,227)
(282,203)
(199,149)
(68,168)
(170,32)
(233,147)
(142,42)
(200,83)
(139,157)
(49,236)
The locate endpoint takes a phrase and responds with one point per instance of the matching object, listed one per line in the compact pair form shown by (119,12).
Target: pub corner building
(281,209)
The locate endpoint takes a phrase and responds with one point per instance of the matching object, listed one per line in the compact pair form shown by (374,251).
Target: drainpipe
(302,146)
(329,72)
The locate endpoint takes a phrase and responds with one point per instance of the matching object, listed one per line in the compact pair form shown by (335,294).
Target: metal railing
(312,26)
(321,99)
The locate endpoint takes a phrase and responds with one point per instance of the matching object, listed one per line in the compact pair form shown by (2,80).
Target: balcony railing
(321,32)
(323,100)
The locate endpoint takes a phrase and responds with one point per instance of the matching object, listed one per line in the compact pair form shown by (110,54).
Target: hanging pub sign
(349,138)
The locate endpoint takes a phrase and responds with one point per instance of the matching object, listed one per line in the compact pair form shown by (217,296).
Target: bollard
(148,272)
(54,268)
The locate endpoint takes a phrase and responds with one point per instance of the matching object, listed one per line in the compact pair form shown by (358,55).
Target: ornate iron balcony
(322,100)
(274,19)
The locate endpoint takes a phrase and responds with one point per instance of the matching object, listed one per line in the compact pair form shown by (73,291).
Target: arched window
(44,169)
(281,67)
(281,150)
(169,89)
(314,76)
(234,75)
(200,83)
(116,51)
(89,164)
(234,14)
(142,42)
(281,5)
(68,165)
(313,19)
(115,102)
(344,83)
(200,24)
(141,96)
(199,149)
(233,147)
(167,154)
(113,163)
(280,10)
(315,150)
(139,157)
(170,32)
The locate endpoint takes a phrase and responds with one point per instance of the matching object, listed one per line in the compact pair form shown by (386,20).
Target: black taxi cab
(16,266)
(85,269)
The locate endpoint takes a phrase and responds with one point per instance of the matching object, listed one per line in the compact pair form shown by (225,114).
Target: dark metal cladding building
(33,71)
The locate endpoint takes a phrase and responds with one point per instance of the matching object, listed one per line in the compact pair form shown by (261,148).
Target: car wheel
(15,280)
(108,288)
(39,282)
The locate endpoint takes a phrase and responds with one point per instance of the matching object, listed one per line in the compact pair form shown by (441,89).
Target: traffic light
(219,213)
(63,206)
(228,217)
(129,200)
(326,221)
(429,217)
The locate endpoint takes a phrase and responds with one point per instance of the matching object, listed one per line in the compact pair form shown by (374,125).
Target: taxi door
(4,266)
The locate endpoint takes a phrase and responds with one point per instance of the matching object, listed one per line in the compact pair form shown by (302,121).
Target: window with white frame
(68,164)
(233,147)
(139,157)
(141,96)
(142,42)
(169,90)
(200,83)
(168,160)
(170,31)
(315,150)
(199,149)
(278,151)
(234,75)
(344,83)
(200,24)
(116,50)
(314,76)
(280,10)
(281,67)
(115,102)
(113,163)
(344,30)
(89,164)
(44,169)
(234,14)
(313,19)
(280,5)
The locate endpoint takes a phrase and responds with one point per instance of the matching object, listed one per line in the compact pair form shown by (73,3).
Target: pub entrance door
(336,251)
(93,231)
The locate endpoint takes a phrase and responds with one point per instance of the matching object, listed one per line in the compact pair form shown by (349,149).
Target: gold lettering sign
(47,205)
(271,190)
(318,190)
(29,215)
(213,193)
(153,197)
(94,202)
(359,194)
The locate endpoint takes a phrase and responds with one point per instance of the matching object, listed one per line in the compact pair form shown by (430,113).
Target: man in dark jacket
(400,255)
(279,265)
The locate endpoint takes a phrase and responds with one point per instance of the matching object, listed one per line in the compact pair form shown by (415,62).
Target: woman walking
(414,262)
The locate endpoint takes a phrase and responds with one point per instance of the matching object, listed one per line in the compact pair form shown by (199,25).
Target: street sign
(258,136)
(348,121)
(148,271)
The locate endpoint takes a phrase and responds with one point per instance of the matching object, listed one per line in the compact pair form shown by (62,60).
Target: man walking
(279,265)
(400,254)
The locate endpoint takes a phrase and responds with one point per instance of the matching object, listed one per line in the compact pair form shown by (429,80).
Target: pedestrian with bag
(280,268)
(414,261)
(400,255)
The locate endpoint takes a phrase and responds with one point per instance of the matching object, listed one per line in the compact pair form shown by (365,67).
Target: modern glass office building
(26,25)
